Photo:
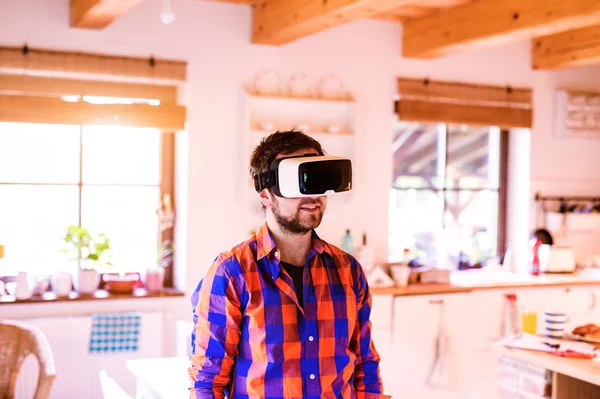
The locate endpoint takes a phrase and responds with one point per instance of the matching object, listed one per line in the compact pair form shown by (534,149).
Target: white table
(160,378)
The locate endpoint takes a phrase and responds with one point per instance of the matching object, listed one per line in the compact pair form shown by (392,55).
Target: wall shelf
(331,122)
(567,219)
(302,99)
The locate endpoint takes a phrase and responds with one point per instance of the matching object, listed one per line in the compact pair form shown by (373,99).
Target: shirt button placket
(313,351)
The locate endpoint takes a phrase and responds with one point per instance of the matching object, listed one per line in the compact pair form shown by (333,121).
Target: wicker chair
(17,340)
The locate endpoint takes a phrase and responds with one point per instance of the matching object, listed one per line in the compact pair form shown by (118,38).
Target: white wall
(214,38)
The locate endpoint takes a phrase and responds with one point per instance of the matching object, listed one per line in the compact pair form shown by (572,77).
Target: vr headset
(306,176)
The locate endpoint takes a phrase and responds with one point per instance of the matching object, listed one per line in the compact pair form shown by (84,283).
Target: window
(104,178)
(446,194)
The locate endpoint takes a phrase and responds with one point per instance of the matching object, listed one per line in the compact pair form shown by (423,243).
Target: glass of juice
(528,321)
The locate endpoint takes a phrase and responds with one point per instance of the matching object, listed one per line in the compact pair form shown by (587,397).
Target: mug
(555,323)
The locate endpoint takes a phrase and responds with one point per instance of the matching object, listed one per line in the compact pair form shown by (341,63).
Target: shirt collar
(266,243)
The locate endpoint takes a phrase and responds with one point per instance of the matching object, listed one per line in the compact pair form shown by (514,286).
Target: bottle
(535,262)
(348,243)
(365,254)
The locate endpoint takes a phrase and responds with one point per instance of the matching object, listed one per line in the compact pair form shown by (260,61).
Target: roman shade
(423,100)
(44,86)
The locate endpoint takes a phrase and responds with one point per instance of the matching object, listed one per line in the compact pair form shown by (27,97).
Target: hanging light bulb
(167,15)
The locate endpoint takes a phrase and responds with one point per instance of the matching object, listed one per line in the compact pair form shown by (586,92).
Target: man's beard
(295,224)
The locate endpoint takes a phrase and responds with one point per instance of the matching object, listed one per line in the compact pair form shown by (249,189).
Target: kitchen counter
(482,279)
(572,378)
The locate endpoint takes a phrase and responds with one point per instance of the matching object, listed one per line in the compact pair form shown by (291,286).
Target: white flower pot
(61,283)
(87,281)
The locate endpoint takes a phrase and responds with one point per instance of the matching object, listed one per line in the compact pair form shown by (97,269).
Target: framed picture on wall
(577,114)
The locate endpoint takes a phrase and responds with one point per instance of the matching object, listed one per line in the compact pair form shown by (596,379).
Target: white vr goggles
(306,176)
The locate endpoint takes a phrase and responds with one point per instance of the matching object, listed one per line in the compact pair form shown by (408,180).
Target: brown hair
(280,143)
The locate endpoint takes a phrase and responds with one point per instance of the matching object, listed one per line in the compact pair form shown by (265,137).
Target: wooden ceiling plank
(573,48)
(98,14)
(57,87)
(282,21)
(493,22)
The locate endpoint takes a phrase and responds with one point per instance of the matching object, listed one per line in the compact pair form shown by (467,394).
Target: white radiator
(77,370)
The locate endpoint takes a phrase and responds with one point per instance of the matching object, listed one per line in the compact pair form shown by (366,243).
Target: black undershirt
(295,273)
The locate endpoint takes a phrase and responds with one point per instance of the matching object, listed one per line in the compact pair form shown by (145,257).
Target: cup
(400,275)
(555,323)
(528,321)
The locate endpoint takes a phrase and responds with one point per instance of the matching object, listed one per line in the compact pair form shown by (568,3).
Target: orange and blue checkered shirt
(252,340)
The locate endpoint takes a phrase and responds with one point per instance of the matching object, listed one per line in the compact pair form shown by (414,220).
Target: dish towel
(115,332)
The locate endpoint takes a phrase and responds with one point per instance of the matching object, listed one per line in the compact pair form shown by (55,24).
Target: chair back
(111,388)
(17,341)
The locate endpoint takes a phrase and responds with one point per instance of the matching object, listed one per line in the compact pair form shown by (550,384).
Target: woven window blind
(422,100)
(42,86)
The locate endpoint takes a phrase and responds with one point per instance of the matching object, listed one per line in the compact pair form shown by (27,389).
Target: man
(284,314)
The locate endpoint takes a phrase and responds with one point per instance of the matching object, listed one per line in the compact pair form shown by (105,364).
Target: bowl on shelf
(121,283)
(334,129)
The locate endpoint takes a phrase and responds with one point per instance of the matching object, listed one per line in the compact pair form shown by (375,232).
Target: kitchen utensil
(438,377)
(509,324)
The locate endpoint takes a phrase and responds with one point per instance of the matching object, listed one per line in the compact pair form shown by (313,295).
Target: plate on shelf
(331,87)
(301,85)
(581,338)
(267,83)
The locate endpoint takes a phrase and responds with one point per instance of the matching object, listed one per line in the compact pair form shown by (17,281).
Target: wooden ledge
(420,289)
(50,297)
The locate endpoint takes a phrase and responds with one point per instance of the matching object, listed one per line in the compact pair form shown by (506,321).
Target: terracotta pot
(120,284)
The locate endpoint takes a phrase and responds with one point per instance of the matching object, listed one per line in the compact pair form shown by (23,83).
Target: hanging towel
(115,332)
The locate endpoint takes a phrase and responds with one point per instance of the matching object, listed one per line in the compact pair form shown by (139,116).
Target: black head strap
(265,180)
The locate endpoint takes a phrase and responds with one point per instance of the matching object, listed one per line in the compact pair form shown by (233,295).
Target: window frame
(501,190)
(166,186)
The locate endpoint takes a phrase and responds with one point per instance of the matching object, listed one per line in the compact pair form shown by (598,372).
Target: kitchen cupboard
(415,330)
(405,330)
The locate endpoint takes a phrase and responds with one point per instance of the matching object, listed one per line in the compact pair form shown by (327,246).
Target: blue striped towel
(115,332)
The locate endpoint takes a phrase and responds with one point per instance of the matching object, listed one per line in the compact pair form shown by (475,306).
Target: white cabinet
(474,322)
(581,305)
(416,323)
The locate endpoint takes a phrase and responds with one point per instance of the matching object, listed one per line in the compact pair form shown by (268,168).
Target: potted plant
(155,276)
(90,253)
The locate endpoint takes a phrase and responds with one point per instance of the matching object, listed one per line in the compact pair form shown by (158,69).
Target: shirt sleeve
(367,379)
(217,317)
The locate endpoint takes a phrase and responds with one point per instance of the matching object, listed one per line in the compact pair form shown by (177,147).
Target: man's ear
(265,198)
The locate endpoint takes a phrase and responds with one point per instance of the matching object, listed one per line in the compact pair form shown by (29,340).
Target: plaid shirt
(252,339)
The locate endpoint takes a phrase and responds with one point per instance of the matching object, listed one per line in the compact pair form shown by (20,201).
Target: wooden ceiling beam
(568,49)
(283,21)
(493,22)
(98,14)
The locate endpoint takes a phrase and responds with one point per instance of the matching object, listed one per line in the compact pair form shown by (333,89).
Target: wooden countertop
(420,289)
(481,279)
(581,369)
